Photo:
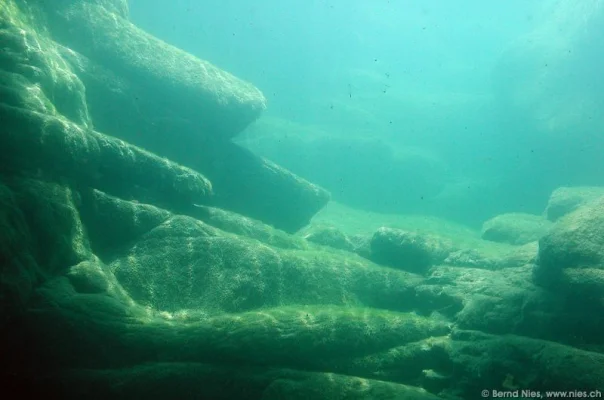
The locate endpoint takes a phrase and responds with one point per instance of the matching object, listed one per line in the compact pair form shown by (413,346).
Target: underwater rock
(408,251)
(248,227)
(576,240)
(19,272)
(565,200)
(516,256)
(361,244)
(505,301)
(405,363)
(88,277)
(111,79)
(56,147)
(242,182)
(571,264)
(488,361)
(521,256)
(470,258)
(291,336)
(187,264)
(31,68)
(515,228)
(113,223)
(167,82)
(46,129)
(207,381)
(117,279)
(50,210)
(328,236)
(257,188)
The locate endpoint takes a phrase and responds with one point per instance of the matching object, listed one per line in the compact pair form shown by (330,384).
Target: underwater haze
(462,109)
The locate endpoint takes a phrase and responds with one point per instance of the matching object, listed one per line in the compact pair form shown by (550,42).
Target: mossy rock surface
(515,228)
(565,200)
(125,272)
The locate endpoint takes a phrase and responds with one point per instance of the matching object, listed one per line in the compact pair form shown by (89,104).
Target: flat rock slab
(179,84)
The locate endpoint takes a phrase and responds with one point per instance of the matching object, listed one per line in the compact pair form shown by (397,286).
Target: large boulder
(108,79)
(328,236)
(498,365)
(504,301)
(515,228)
(243,182)
(258,188)
(409,251)
(571,264)
(184,264)
(51,145)
(166,82)
(576,241)
(46,130)
(565,200)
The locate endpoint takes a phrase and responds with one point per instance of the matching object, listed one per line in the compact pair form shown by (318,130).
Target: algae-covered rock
(88,277)
(186,264)
(46,128)
(258,188)
(506,363)
(565,200)
(409,251)
(201,381)
(19,272)
(328,236)
(121,276)
(571,265)
(244,226)
(33,75)
(294,336)
(424,361)
(50,210)
(113,223)
(515,228)
(54,146)
(243,182)
(90,65)
(181,85)
(576,241)
(502,302)
(505,257)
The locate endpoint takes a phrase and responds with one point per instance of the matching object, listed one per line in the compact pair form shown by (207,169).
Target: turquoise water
(464,109)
